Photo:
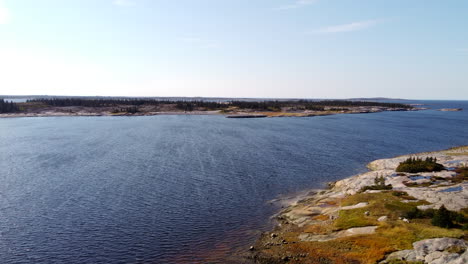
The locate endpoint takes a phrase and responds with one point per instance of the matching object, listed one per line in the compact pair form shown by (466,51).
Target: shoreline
(235,115)
(310,229)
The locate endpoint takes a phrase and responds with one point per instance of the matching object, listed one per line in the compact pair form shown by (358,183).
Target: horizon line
(4,96)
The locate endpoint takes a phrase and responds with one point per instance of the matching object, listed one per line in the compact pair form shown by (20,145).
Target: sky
(416,49)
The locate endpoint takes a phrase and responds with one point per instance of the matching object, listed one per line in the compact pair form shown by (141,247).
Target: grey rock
(383,218)
(439,257)
(408,255)
(432,251)
(424,247)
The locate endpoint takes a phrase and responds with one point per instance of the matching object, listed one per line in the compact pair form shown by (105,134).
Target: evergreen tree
(8,107)
(442,218)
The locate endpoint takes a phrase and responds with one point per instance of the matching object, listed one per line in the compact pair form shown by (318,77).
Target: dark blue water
(181,189)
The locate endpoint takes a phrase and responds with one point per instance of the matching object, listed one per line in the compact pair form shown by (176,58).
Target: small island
(407,210)
(91,106)
(451,109)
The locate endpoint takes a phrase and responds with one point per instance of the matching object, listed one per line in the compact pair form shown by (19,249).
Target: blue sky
(235,48)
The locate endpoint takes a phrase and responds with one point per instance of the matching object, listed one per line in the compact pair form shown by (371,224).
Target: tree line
(8,107)
(415,165)
(268,105)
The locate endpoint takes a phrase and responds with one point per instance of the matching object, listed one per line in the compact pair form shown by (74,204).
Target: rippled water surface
(181,189)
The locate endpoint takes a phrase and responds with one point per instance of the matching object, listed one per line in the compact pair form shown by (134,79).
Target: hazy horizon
(235,49)
(14,96)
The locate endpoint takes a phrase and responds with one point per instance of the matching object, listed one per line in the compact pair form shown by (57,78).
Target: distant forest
(272,105)
(8,107)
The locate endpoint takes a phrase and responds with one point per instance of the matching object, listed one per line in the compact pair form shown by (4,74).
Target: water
(181,189)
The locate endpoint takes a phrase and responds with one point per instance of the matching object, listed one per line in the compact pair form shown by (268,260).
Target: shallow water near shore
(182,189)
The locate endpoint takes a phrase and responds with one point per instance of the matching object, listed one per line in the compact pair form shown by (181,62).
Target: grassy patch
(392,235)
(403,195)
(321,217)
(380,204)
(318,229)
(462,175)
(353,218)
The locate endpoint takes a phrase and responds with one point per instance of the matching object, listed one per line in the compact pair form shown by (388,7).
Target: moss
(353,218)
(392,235)
(384,203)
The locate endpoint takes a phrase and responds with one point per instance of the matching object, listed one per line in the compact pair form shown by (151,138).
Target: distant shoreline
(231,115)
(240,114)
(52,107)
(61,114)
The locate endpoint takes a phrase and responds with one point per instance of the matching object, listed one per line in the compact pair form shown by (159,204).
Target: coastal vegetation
(185,105)
(462,175)
(130,110)
(415,165)
(376,217)
(236,108)
(441,217)
(379,185)
(393,234)
(8,107)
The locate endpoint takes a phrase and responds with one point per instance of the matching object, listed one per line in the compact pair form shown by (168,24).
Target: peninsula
(410,209)
(90,106)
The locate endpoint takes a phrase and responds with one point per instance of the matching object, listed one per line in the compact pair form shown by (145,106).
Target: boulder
(433,251)
(408,255)
(382,218)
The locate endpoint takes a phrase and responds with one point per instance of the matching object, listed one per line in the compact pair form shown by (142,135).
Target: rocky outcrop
(335,216)
(449,158)
(366,230)
(451,109)
(441,192)
(434,251)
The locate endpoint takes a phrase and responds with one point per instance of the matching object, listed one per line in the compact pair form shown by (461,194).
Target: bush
(399,193)
(379,185)
(462,175)
(416,213)
(442,218)
(414,165)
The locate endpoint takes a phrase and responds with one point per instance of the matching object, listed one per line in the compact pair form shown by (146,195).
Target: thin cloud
(297,4)
(4,14)
(354,26)
(124,3)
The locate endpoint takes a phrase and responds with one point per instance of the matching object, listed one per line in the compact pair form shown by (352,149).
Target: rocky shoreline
(49,111)
(354,222)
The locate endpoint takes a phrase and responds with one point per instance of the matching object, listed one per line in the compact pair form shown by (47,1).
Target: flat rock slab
(366,230)
(433,251)
(356,206)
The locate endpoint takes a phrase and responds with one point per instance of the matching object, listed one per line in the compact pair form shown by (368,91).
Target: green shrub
(462,175)
(379,185)
(442,218)
(399,193)
(414,165)
(416,213)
